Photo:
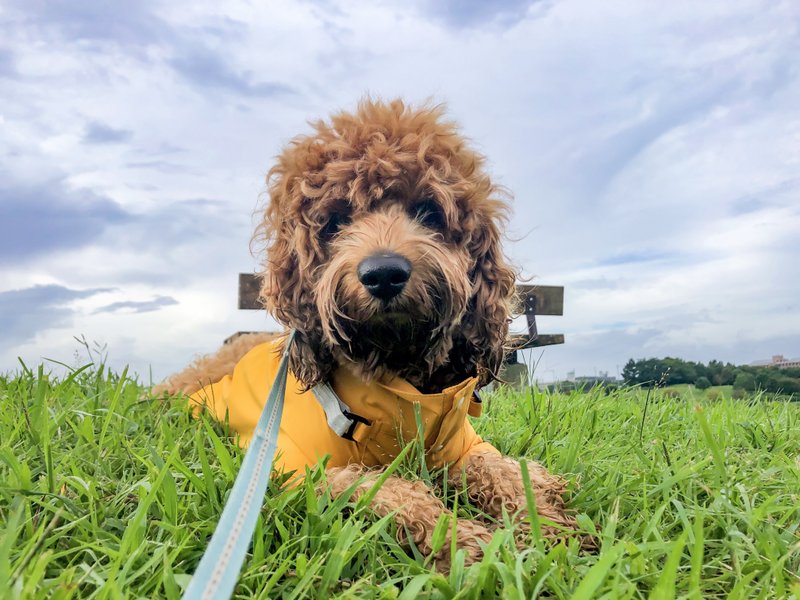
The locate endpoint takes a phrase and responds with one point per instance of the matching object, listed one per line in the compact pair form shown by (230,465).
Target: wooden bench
(535,300)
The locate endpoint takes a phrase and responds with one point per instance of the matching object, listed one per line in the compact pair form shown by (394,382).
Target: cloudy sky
(653,150)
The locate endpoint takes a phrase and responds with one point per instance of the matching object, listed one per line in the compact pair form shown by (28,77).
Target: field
(692,393)
(106,493)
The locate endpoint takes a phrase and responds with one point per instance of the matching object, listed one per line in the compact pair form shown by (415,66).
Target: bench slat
(535,300)
(549,298)
(517,341)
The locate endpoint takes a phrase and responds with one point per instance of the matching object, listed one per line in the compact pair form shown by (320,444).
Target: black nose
(384,275)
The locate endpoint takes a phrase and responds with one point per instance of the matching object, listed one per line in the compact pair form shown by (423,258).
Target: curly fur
(494,483)
(416,512)
(394,178)
(389,178)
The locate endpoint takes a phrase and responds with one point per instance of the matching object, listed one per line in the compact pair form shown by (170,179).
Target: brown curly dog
(383,253)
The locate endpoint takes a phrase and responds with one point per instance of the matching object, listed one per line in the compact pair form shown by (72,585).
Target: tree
(702,383)
(660,372)
(630,373)
(727,375)
(653,372)
(745,381)
(714,372)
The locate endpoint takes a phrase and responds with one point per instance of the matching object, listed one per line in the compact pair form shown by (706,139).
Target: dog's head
(382,240)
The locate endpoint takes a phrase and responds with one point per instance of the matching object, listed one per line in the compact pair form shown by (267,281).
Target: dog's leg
(211,368)
(416,511)
(494,483)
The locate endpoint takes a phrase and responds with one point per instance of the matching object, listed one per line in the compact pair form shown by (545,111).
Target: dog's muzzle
(384,275)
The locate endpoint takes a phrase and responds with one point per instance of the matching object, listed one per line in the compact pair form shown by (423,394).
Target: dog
(382,251)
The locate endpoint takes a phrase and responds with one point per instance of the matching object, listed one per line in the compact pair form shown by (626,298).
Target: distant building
(778,361)
(595,379)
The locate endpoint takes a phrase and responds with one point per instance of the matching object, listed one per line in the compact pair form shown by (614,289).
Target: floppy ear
(484,328)
(291,248)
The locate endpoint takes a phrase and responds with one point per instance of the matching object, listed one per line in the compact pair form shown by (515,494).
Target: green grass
(105,493)
(691,391)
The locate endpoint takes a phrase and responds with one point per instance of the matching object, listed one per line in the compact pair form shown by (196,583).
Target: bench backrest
(534,300)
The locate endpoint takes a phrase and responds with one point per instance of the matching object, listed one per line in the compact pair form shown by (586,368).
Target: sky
(652,149)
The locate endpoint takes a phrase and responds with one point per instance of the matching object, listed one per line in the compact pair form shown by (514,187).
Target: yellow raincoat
(387,405)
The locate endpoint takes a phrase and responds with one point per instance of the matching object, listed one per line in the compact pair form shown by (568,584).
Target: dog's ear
(484,328)
(291,255)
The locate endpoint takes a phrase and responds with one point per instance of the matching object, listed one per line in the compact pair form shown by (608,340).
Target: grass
(689,389)
(690,392)
(105,493)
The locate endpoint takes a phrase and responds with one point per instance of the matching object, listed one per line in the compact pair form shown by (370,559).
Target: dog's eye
(334,224)
(429,214)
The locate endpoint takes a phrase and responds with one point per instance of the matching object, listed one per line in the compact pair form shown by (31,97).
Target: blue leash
(218,571)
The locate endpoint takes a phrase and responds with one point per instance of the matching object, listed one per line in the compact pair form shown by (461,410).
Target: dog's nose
(384,275)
